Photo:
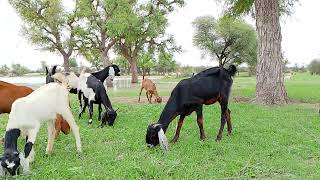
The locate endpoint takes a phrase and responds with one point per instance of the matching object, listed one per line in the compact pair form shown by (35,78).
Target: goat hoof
(90,121)
(203,138)
(218,139)
(174,140)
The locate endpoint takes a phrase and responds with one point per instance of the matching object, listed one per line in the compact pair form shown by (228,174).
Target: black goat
(207,87)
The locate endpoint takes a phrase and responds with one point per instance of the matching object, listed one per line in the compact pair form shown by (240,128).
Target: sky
(300,35)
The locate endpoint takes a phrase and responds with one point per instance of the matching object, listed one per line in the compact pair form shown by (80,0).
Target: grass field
(280,142)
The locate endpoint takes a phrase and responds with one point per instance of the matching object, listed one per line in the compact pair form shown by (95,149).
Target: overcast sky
(301,35)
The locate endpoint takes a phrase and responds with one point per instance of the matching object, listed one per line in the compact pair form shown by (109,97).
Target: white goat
(26,117)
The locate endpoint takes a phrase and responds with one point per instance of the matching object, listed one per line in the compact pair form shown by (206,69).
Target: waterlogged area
(32,81)
(37,81)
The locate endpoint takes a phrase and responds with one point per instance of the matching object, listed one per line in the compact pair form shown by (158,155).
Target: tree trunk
(105,59)
(134,70)
(270,87)
(106,62)
(66,63)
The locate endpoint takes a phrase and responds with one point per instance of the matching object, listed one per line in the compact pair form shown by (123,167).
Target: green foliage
(240,7)
(144,28)
(48,25)
(146,62)
(123,64)
(229,40)
(165,63)
(4,70)
(100,19)
(19,70)
(314,66)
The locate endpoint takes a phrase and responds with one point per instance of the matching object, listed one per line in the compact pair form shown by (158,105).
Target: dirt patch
(134,100)
(242,99)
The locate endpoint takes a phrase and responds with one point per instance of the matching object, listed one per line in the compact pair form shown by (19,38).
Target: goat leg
(28,148)
(140,93)
(224,108)
(179,125)
(100,110)
(84,107)
(90,112)
(200,122)
(52,132)
(229,125)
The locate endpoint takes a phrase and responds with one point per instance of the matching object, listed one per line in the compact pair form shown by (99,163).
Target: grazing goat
(109,71)
(207,87)
(151,90)
(26,117)
(10,92)
(49,79)
(60,123)
(93,92)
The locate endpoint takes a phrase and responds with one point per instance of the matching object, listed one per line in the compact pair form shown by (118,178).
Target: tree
(144,30)
(4,70)
(146,62)
(122,63)
(270,87)
(49,26)
(229,40)
(98,17)
(314,67)
(73,64)
(19,70)
(165,63)
(43,66)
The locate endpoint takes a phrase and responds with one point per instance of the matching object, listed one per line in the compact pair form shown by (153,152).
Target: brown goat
(10,92)
(151,90)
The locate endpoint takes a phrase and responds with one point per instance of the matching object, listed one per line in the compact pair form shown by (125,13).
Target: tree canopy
(314,66)
(228,40)
(48,25)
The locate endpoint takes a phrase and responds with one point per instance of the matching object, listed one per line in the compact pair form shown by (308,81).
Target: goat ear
(24,163)
(163,140)
(54,69)
(47,71)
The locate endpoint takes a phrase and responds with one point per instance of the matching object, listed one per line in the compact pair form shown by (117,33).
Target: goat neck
(11,138)
(103,74)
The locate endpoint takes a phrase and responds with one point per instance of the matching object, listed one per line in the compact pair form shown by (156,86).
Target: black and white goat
(207,87)
(26,117)
(94,92)
(108,72)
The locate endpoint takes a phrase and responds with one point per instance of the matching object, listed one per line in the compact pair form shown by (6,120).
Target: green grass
(301,87)
(267,142)
(279,142)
